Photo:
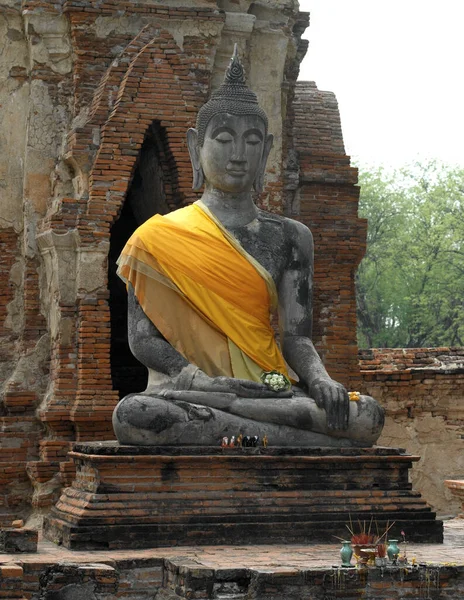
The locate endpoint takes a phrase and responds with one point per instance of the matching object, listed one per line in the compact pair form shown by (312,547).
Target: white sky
(397,69)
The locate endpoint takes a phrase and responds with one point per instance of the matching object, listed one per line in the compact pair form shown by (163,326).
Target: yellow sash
(210,299)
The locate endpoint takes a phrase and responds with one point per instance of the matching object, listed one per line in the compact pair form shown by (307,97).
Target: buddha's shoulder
(293,230)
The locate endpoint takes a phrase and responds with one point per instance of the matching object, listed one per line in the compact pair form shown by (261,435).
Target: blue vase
(393,550)
(346,553)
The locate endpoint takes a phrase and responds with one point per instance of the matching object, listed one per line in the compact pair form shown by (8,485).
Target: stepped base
(145,496)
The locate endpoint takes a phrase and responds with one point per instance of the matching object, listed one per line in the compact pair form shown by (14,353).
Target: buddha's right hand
(241,387)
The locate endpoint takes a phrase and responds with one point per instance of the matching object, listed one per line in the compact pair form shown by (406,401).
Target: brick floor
(273,558)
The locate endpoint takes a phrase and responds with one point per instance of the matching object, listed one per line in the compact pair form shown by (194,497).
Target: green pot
(346,552)
(393,550)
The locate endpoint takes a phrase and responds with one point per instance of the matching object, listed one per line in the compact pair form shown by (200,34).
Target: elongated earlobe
(192,143)
(198,179)
(258,184)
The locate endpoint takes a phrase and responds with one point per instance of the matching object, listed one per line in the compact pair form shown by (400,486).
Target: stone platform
(139,497)
(258,572)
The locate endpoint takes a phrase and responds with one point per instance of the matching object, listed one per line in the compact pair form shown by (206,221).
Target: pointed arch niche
(153,190)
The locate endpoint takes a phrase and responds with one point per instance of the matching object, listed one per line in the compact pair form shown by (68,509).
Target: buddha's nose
(239,154)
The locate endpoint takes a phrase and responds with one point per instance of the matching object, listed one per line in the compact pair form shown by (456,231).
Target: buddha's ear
(258,183)
(194,151)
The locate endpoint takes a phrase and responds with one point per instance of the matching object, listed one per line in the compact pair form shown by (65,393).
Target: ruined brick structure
(326,199)
(96,98)
(422,391)
(133,575)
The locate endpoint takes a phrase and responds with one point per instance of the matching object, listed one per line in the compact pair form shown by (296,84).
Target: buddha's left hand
(333,398)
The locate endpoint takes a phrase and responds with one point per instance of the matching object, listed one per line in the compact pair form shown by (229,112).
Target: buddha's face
(232,152)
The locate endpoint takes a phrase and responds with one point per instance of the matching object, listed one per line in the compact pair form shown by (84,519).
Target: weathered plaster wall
(422,391)
(23,357)
(14,96)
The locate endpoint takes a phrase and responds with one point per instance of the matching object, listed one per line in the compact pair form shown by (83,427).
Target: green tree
(410,285)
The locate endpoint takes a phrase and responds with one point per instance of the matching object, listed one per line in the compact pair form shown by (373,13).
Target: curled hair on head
(233,97)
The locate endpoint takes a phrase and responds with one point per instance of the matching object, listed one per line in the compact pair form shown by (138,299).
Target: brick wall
(177,579)
(9,251)
(19,429)
(124,579)
(327,201)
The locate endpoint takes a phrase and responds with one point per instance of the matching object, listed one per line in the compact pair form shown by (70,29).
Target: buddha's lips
(236,172)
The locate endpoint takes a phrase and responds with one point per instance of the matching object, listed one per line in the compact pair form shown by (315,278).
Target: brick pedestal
(136,497)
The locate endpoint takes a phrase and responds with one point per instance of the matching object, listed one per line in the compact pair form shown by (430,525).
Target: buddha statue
(203,285)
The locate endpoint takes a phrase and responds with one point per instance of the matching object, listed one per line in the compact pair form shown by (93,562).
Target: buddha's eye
(224,138)
(253,140)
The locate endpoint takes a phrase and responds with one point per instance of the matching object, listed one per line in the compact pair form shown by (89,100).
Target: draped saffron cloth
(206,295)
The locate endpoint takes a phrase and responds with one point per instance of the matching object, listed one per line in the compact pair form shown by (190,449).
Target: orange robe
(207,296)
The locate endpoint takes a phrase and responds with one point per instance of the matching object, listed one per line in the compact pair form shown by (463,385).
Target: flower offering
(275,381)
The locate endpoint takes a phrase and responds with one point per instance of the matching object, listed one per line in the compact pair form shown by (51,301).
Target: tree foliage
(410,285)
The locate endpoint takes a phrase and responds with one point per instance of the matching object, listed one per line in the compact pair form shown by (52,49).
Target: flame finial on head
(235,72)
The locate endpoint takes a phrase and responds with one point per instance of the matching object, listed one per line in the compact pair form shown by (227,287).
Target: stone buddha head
(230,145)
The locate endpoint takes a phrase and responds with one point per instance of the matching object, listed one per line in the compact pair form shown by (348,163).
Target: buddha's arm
(295,307)
(155,352)
(147,344)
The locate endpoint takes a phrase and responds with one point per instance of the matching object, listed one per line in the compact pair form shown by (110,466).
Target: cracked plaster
(105,26)
(92,268)
(31,369)
(440,449)
(49,42)
(14,98)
